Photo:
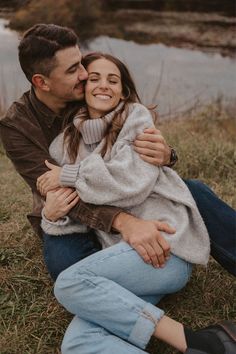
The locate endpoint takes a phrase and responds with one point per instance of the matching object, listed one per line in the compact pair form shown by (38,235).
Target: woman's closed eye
(93,78)
(96,79)
(113,82)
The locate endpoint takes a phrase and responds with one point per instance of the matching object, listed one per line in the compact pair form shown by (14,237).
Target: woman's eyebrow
(113,74)
(96,73)
(93,72)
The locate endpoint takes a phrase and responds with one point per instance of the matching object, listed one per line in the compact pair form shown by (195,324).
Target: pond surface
(174,78)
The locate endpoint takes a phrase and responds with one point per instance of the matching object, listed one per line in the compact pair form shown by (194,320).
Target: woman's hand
(152,147)
(59,202)
(50,179)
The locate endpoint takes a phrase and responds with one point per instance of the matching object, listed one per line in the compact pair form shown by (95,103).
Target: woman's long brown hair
(72,135)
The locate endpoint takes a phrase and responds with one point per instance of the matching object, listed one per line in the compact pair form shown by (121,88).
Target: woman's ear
(125,97)
(40,81)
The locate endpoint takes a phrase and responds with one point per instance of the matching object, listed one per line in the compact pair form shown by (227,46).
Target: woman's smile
(102,97)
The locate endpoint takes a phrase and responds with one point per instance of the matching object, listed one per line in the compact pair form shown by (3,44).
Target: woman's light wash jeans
(112,293)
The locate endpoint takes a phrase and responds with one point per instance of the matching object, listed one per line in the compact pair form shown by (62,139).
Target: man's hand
(59,202)
(152,147)
(49,180)
(145,237)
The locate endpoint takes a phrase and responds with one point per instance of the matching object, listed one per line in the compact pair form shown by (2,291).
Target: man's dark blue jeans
(60,252)
(220,220)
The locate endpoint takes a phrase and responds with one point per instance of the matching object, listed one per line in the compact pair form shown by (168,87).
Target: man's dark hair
(39,45)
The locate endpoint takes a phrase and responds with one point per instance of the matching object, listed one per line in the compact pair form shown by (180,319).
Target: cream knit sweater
(122,179)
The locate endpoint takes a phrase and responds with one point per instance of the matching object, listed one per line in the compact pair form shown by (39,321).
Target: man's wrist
(120,220)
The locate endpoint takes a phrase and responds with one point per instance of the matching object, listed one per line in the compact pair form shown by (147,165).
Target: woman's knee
(179,274)
(63,285)
(71,287)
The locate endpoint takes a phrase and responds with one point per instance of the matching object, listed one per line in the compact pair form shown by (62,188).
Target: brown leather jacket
(26,132)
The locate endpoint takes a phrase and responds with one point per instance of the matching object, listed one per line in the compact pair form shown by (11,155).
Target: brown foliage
(80,15)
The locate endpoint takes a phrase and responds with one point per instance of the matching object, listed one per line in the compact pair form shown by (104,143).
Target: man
(51,60)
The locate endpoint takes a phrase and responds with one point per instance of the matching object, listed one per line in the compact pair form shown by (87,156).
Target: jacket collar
(46,114)
(42,110)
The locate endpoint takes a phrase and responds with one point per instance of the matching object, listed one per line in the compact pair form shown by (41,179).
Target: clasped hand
(152,147)
(49,180)
(59,202)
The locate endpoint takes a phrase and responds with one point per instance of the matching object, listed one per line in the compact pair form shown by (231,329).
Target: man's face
(66,81)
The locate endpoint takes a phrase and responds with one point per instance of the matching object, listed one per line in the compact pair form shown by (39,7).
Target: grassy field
(31,319)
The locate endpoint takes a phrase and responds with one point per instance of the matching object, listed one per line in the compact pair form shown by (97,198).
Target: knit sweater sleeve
(124,179)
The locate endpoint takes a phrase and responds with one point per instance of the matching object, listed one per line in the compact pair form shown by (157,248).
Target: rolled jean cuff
(145,326)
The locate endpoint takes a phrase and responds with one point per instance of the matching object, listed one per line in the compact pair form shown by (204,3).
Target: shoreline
(207,32)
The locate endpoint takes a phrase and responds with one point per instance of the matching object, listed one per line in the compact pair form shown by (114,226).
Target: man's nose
(83,74)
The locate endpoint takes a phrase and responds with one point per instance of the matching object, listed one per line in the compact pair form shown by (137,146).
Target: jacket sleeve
(27,158)
(29,161)
(124,180)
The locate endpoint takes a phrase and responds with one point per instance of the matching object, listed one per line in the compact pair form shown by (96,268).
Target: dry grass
(31,319)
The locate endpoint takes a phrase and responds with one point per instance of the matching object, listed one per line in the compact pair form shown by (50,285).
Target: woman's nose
(103,84)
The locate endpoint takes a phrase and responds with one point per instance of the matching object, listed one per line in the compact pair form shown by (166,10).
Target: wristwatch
(173,157)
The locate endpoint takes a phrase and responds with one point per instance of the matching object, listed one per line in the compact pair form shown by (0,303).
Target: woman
(113,291)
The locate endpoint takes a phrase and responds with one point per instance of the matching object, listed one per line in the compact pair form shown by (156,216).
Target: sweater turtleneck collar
(93,130)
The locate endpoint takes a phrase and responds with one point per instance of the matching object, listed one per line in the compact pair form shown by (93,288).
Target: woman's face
(103,90)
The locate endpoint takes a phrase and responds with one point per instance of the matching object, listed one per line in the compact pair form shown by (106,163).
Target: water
(12,80)
(175,79)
